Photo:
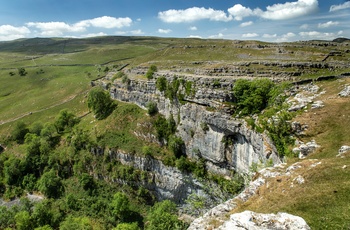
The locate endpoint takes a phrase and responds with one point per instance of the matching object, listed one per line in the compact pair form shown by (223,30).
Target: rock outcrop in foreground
(258,221)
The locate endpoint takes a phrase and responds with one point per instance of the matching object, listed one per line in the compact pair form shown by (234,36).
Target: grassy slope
(323,200)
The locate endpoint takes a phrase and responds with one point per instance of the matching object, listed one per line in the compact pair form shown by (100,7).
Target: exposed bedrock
(225,142)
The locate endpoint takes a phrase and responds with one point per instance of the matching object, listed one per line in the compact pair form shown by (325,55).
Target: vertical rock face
(224,142)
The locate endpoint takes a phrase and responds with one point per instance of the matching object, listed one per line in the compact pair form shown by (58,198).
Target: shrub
(19,132)
(100,102)
(152,108)
(161,84)
(152,69)
(176,145)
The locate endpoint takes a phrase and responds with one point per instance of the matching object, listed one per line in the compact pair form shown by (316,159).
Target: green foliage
(161,83)
(252,96)
(280,132)
(125,79)
(78,223)
(50,184)
(163,216)
(152,69)
(216,83)
(36,128)
(19,131)
(232,186)
(22,71)
(65,120)
(127,226)
(164,127)
(205,127)
(121,206)
(23,220)
(188,88)
(152,108)
(176,145)
(120,74)
(100,102)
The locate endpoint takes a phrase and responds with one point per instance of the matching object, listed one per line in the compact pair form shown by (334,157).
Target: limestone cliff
(203,121)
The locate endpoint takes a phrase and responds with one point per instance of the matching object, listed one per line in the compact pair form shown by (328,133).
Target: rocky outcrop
(226,143)
(259,221)
(305,149)
(345,92)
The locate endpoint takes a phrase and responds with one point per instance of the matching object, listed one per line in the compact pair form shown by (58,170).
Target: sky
(265,20)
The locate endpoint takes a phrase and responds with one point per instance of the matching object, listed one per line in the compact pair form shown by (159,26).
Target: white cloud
(250,35)
(286,37)
(245,24)
(290,10)
(220,35)
(52,29)
(239,12)
(136,32)
(269,35)
(93,35)
(162,31)
(278,11)
(343,6)
(327,24)
(106,22)
(318,35)
(194,36)
(304,26)
(193,28)
(8,32)
(55,28)
(193,14)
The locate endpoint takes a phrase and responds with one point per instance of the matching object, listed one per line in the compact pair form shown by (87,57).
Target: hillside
(181,129)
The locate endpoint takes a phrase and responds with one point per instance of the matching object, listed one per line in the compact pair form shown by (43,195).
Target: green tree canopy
(50,184)
(100,102)
(163,216)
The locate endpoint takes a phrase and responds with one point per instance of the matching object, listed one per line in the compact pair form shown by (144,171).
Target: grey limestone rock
(345,92)
(258,221)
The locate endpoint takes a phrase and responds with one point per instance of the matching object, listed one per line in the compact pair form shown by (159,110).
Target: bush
(152,108)
(152,69)
(252,96)
(19,132)
(176,145)
(100,102)
(161,84)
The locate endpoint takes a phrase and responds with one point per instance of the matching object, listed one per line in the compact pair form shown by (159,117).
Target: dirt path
(41,110)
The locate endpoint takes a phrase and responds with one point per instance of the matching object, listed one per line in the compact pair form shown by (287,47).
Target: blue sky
(267,20)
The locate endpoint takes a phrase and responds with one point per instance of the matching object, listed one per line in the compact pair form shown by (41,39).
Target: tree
(64,120)
(161,83)
(120,206)
(176,145)
(152,108)
(22,71)
(152,69)
(50,184)
(127,226)
(19,131)
(100,102)
(23,220)
(78,223)
(163,216)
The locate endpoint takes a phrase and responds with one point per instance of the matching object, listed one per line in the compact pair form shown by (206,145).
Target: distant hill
(340,40)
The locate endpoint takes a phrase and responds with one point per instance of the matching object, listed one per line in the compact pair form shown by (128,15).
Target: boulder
(305,149)
(343,150)
(258,221)
(345,92)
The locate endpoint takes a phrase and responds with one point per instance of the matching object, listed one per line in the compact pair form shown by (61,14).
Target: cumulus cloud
(245,24)
(286,37)
(343,6)
(290,10)
(193,14)
(269,35)
(60,28)
(239,12)
(136,32)
(93,35)
(194,36)
(220,35)
(8,32)
(304,26)
(162,31)
(319,35)
(55,28)
(106,22)
(250,35)
(278,11)
(327,24)
(193,28)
